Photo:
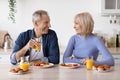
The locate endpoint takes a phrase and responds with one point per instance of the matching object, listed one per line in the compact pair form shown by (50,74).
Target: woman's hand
(83,61)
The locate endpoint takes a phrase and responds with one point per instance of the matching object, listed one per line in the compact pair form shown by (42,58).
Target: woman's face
(77,27)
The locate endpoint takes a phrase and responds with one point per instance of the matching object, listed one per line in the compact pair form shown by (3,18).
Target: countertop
(59,73)
(114,51)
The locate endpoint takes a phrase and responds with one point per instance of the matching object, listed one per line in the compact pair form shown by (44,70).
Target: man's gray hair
(37,14)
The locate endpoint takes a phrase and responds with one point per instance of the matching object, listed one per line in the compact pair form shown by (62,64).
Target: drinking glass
(89,62)
(38,47)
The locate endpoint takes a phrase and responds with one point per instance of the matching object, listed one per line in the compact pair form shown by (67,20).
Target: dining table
(58,72)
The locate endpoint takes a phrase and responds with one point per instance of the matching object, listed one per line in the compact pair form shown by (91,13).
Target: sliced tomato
(75,64)
(37,64)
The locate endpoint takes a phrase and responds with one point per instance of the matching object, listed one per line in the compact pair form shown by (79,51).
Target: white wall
(5,24)
(62,14)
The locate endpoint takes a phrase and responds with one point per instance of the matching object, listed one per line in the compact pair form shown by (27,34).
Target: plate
(44,65)
(48,65)
(20,73)
(70,65)
(104,71)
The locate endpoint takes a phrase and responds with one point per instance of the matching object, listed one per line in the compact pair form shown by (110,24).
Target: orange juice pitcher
(24,64)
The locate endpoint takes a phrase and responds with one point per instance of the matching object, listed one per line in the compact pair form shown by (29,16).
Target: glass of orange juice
(38,46)
(89,62)
(24,66)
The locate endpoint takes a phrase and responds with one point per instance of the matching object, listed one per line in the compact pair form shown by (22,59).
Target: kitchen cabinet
(115,53)
(110,7)
(116,58)
(2,52)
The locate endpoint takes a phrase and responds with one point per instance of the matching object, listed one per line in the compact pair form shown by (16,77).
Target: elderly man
(27,42)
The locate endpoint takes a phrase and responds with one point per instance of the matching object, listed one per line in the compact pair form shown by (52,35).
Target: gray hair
(37,14)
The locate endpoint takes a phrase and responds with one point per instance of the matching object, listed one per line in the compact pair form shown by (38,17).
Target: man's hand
(31,44)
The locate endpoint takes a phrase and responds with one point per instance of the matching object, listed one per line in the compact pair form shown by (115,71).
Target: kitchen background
(62,14)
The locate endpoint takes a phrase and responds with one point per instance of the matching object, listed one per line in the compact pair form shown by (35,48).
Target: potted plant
(12,10)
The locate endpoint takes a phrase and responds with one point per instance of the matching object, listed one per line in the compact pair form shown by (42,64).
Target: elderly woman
(84,43)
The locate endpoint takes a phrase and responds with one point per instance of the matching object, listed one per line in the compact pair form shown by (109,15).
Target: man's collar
(33,34)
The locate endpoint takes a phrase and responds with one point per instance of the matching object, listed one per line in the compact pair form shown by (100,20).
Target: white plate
(72,65)
(25,72)
(111,69)
(47,66)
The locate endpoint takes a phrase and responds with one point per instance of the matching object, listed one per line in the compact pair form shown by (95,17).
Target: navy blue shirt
(50,45)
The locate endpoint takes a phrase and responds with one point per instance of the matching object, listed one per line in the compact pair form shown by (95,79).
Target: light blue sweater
(81,47)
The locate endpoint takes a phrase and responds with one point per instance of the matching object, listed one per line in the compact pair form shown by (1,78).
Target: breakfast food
(66,65)
(13,71)
(95,66)
(101,68)
(41,64)
(75,65)
(37,64)
(62,64)
(44,63)
(69,65)
(16,70)
(20,71)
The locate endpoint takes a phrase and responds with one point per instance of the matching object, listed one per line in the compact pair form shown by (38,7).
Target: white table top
(59,73)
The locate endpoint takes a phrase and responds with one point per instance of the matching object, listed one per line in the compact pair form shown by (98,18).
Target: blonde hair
(86,22)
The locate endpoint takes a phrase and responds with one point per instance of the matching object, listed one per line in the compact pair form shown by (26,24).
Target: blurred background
(62,14)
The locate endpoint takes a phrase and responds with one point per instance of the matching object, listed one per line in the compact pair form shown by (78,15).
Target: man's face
(43,25)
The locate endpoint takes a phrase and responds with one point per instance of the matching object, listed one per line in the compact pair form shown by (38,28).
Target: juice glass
(38,47)
(89,62)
